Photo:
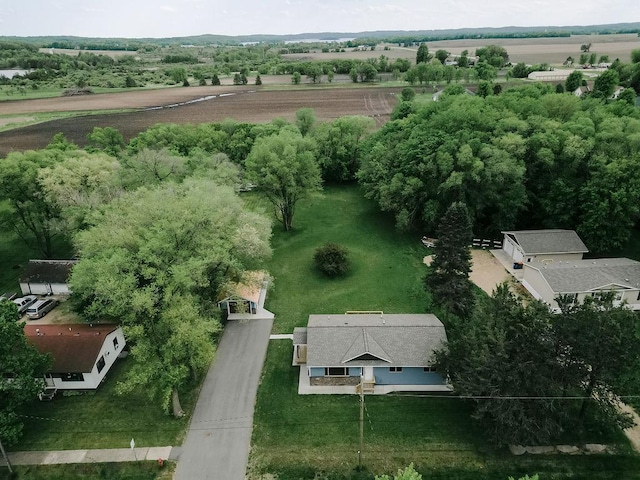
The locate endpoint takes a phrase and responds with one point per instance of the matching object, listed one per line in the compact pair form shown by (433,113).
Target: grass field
(317,436)
(108,471)
(103,419)
(386,267)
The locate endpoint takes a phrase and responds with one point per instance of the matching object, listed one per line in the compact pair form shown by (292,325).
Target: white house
(584,278)
(46,277)
(82,354)
(378,353)
(546,246)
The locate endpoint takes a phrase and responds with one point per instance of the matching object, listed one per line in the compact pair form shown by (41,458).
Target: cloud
(167,8)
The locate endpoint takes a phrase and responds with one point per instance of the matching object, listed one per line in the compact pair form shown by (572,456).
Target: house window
(336,372)
(429,369)
(395,369)
(115,343)
(72,377)
(100,364)
(638,297)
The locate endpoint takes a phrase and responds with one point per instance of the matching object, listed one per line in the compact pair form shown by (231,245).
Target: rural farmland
(172,106)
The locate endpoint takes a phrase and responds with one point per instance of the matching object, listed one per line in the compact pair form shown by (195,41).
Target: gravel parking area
(486,271)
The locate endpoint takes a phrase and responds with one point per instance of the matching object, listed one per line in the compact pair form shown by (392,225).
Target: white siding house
(46,277)
(82,354)
(584,278)
(546,246)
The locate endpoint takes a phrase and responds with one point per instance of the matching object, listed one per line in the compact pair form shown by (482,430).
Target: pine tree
(449,278)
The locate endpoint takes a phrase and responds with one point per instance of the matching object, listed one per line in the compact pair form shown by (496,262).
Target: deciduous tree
(21,373)
(285,168)
(156,259)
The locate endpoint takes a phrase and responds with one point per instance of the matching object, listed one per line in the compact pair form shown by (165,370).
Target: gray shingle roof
(402,340)
(536,242)
(586,275)
(48,271)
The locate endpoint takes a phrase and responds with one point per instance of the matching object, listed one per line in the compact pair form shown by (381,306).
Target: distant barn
(47,277)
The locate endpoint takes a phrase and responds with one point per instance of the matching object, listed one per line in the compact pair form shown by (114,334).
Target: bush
(332,260)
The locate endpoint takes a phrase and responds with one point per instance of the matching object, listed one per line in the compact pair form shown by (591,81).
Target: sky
(174,18)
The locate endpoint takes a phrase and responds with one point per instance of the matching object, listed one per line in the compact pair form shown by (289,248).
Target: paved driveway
(217,444)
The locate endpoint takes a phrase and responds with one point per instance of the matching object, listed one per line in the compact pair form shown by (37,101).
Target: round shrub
(332,259)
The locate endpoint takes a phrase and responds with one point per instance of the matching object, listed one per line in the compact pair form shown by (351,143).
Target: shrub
(332,259)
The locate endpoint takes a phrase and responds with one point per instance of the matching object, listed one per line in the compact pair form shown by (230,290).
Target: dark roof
(48,271)
(403,340)
(74,348)
(536,242)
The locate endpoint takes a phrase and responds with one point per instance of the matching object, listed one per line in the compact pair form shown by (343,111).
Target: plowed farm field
(188,105)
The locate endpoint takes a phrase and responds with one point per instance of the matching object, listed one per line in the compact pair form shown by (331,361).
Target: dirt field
(238,103)
(553,50)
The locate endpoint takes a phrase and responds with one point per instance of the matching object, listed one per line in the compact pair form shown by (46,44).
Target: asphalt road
(219,437)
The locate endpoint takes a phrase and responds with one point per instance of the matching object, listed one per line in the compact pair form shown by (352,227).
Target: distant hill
(389,35)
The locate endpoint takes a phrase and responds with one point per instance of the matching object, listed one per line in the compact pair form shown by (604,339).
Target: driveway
(219,436)
(486,271)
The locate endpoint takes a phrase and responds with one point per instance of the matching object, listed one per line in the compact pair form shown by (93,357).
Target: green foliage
(546,155)
(107,139)
(494,55)
(332,260)
(606,83)
(258,80)
(147,261)
(408,94)
(305,120)
(635,56)
(285,169)
(21,373)
(573,81)
(524,366)
(295,78)
(448,279)
(339,147)
(408,473)
(423,56)
(29,214)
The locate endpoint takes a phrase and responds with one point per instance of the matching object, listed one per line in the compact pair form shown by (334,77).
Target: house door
(367,373)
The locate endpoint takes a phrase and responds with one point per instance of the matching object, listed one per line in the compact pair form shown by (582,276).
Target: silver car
(24,302)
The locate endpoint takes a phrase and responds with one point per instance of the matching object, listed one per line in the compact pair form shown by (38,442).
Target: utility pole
(361,426)
(4,454)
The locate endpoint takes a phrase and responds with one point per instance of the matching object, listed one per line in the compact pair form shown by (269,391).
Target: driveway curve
(219,436)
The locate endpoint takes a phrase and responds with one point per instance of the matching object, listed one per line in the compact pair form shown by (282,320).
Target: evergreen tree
(449,278)
(258,80)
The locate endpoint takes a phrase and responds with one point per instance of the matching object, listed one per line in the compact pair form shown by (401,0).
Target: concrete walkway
(219,437)
(87,456)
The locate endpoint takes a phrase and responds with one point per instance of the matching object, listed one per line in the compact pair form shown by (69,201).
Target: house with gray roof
(546,246)
(584,278)
(376,352)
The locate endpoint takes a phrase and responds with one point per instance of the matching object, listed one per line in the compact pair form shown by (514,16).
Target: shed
(47,277)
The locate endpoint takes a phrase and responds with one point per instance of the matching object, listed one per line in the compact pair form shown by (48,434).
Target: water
(12,73)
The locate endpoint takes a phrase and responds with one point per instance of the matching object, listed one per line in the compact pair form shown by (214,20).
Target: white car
(24,302)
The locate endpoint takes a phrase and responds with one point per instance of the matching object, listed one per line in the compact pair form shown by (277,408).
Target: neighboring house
(246,300)
(548,246)
(82,354)
(47,277)
(377,352)
(584,278)
(582,90)
(618,90)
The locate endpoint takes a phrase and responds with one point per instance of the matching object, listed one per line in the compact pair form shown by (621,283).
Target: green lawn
(300,437)
(103,419)
(386,268)
(112,471)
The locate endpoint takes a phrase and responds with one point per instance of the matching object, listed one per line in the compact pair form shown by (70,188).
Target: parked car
(25,302)
(41,308)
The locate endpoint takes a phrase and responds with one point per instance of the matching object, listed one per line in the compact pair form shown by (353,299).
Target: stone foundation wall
(334,381)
